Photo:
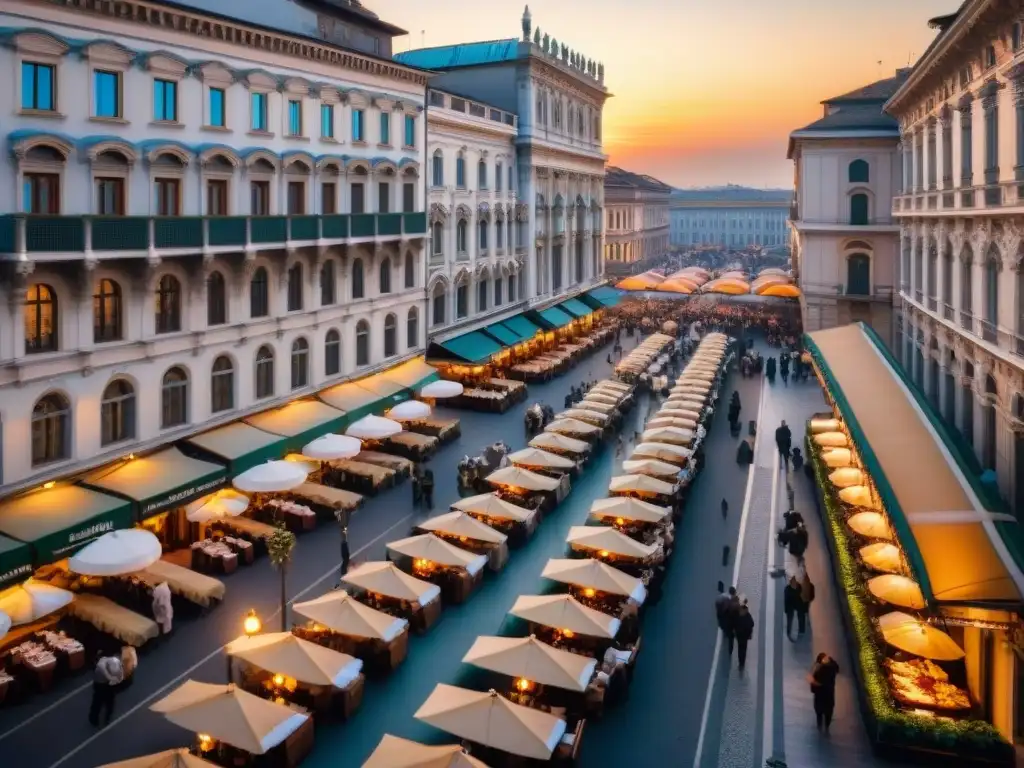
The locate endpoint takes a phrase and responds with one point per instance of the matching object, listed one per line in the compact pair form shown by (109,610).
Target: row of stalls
(282,683)
(563,656)
(932,595)
(55,616)
(496,362)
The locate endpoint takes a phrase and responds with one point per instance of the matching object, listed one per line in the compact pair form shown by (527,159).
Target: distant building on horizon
(636,221)
(729,216)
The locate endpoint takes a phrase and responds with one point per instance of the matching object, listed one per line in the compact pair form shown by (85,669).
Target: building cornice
(454,122)
(556,75)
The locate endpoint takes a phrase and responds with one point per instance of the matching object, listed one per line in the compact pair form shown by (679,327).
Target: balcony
(21,235)
(948,313)
(967,321)
(988,331)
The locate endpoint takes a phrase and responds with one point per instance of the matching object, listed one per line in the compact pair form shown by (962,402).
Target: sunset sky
(705,91)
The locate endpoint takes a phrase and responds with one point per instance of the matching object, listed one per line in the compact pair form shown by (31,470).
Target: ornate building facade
(961,216)
(202,219)
(729,217)
(844,242)
(557,96)
(636,221)
(477,226)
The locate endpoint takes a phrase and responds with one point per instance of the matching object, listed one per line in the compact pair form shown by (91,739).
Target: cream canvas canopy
(695,374)
(652,467)
(597,406)
(682,422)
(586,415)
(673,454)
(572,427)
(882,556)
(434,549)
(686,401)
(599,396)
(460,523)
(858,496)
(625,508)
(32,600)
(339,612)
(230,715)
(589,573)
(690,386)
(825,425)
(606,539)
(640,483)
(283,653)
(837,457)
(492,720)
(832,439)
(517,477)
(676,411)
(871,524)
(395,752)
(386,579)
(530,659)
(847,477)
(492,505)
(670,435)
(220,504)
(557,442)
(536,457)
(564,612)
(171,758)
(613,384)
(903,631)
(897,590)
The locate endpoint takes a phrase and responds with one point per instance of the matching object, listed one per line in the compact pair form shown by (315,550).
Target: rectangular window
(165,101)
(327,121)
(385,128)
(217,111)
(41,192)
(410,131)
(296,197)
(168,197)
(294,117)
(357,125)
(37,91)
(259,198)
(110,197)
(408,197)
(259,112)
(358,198)
(106,94)
(329,197)
(217,197)
(383,197)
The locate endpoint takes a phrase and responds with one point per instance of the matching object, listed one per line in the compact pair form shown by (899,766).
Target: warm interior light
(278,679)
(205,742)
(568,633)
(252,624)
(589,592)
(131,457)
(619,521)
(603,553)
(49,485)
(523,684)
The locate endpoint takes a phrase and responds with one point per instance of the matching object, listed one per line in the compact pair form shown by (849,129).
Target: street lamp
(252,624)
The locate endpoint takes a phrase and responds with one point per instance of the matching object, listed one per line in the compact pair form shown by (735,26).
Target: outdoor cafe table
(117,621)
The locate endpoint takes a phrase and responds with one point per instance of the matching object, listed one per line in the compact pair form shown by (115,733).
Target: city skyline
(694,134)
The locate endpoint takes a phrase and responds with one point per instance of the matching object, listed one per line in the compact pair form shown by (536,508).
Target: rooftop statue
(546,42)
(536,36)
(527,22)
(600,72)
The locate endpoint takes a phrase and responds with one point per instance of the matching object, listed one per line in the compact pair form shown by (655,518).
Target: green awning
(353,401)
(239,445)
(300,422)
(473,347)
(575,307)
(554,318)
(603,296)
(60,520)
(160,481)
(505,335)
(15,562)
(521,325)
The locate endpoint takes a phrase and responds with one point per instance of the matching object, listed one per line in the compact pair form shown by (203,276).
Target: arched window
(436,238)
(497,176)
(358,288)
(264,372)
(51,429)
(460,172)
(462,301)
(967,289)
(947,275)
(168,305)
(222,385)
(216,300)
(481,237)
(498,285)
(174,398)
(991,296)
(481,174)
(412,328)
(859,209)
(481,295)
(988,452)
(295,287)
(300,363)
(462,236)
(390,336)
(362,343)
(385,275)
(437,169)
(410,271)
(259,294)
(439,304)
(859,172)
(858,275)
(41,319)
(106,312)
(328,284)
(332,353)
(117,412)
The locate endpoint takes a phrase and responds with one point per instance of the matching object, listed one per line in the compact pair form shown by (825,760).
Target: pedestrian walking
(163,610)
(743,628)
(807,592)
(722,604)
(823,686)
(793,605)
(107,675)
(798,540)
(725,509)
(728,621)
(792,519)
(784,442)
(428,488)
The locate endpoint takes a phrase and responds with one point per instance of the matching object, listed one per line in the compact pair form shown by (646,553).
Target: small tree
(280,545)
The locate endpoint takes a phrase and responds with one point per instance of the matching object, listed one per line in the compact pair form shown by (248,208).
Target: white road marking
(735,577)
(770,623)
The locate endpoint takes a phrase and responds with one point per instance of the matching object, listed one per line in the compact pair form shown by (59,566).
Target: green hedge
(972,740)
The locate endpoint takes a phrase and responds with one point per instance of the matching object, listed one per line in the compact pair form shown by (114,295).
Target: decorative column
(1016,76)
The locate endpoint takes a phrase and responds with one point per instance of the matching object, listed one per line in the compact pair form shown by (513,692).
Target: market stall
(462,529)
(395,752)
(515,521)
(383,586)
(542,462)
(613,546)
(529,489)
(577,451)
(458,572)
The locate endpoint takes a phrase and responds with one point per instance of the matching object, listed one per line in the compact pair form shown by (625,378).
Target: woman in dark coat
(823,686)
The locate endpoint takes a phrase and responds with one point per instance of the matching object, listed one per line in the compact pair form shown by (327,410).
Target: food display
(922,683)
(59,641)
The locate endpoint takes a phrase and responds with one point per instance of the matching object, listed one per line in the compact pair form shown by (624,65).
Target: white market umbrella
(527,658)
(434,549)
(373,428)
(566,614)
(589,573)
(271,477)
(463,525)
(409,410)
(624,508)
(395,752)
(172,758)
(32,601)
(285,654)
(116,553)
(216,506)
(440,390)
(340,612)
(608,540)
(330,447)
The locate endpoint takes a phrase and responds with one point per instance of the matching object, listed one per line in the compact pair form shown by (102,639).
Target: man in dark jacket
(743,627)
(427,484)
(784,442)
(793,605)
